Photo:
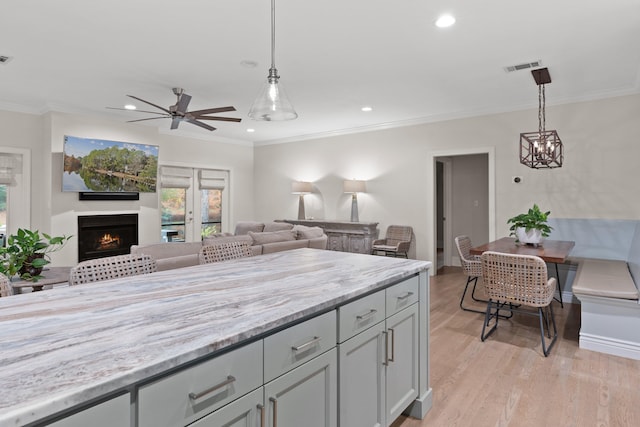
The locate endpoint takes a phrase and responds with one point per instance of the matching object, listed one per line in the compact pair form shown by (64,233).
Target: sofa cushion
(224,239)
(277,226)
(244,227)
(272,236)
(305,232)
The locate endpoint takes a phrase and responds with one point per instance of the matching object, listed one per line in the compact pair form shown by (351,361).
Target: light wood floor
(506,380)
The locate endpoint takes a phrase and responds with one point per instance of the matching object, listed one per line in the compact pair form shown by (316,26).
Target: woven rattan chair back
(223,252)
(398,233)
(96,270)
(5,286)
(520,279)
(471,264)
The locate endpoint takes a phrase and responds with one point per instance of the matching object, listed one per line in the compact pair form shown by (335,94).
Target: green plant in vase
(530,227)
(26,253)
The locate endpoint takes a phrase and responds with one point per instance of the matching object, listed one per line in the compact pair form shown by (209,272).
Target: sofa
(263,238)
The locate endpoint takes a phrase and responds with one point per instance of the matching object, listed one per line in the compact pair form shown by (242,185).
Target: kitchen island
(67,349)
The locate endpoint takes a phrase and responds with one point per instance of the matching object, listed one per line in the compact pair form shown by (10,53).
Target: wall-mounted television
(103,166)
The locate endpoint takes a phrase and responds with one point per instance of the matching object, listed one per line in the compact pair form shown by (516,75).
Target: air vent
(4,59)
(524,66)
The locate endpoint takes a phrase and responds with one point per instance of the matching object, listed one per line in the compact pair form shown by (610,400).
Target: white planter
(532,237)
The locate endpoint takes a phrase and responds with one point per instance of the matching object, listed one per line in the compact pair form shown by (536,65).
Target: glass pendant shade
(272,103)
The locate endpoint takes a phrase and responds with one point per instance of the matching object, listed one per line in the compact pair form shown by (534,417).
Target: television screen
(98,165)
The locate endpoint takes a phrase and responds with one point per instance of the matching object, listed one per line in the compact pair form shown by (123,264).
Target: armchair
(396,242)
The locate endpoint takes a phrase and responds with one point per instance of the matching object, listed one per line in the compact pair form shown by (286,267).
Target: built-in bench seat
(609,301)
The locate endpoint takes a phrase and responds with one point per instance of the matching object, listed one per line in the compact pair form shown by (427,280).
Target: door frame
(432,223)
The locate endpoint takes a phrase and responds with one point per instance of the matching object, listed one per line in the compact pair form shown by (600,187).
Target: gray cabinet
(345,236)
(305,396)
(113,412)
(379,365)
(247,411)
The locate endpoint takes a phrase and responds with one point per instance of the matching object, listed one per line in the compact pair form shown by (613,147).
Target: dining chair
(5,286)
(224,251)
(96,270)
(396,243)
(521,280)
(472,269)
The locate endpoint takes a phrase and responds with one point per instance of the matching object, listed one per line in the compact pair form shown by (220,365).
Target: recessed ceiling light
(129,107)
(445,21)
(248,63)
(250,130)
(367,109)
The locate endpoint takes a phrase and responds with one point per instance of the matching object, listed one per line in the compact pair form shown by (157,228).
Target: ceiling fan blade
(211,111)
(175,122)
(136,111)
(150,103)
(222,119)
(202,125)
(148,118)
(183,103)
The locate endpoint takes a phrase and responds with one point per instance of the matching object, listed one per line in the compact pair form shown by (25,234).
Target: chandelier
(541,149)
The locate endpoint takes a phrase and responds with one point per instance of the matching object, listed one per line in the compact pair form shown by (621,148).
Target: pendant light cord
(273,34)
(541,115)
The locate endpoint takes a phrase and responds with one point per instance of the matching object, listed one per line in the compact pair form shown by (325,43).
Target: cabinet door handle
(275,410)
(196,396)
(366,315)
(385,362)
(261,409)
(405,295)
(393,345)
(309,343)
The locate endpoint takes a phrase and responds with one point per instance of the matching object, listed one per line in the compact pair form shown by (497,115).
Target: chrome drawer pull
(275,410)
(196,396)
(261,409)
(366,315)
(386,348)
(309,343)
(393,345)
(405,295)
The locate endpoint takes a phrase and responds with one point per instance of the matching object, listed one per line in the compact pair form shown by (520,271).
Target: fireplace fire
(106,235)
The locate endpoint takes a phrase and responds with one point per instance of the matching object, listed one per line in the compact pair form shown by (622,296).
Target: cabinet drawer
(402,295)
(114,412)
(359,315)
(293,346)
(189,394)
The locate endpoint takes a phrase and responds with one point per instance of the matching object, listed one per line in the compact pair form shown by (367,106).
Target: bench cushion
(604,278)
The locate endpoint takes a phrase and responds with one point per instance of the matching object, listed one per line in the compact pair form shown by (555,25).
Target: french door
(194,203)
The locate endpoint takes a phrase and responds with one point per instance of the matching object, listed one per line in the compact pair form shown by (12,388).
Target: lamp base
(354,208)
(301,213)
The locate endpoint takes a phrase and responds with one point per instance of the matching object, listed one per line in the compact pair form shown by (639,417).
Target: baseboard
(630,350)
(419,408)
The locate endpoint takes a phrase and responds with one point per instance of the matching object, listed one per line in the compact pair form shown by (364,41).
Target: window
(15,211)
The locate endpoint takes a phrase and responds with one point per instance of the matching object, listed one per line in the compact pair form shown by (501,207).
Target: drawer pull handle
(386,348)
(367,314)
(309,343)
(196,396)
(275,410)
(405,295)
(261,409)
(393,345)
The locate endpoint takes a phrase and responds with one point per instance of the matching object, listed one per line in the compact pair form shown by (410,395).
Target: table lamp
(354,187)
(301,188)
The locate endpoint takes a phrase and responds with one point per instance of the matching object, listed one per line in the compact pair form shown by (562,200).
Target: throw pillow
(243,227)
(305,232)
(217,240)
(277,226)
(272,236)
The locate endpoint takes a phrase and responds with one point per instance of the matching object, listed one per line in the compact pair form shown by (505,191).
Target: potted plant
(26,253)
(530,227)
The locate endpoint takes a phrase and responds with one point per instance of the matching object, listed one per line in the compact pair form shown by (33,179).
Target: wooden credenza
(345,236)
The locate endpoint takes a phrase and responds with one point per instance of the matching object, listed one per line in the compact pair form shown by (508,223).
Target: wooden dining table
(551,251)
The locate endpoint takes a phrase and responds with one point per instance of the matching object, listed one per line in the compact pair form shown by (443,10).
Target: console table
(345,236)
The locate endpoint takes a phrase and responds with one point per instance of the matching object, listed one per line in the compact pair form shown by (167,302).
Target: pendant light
(272,103)
(542,149)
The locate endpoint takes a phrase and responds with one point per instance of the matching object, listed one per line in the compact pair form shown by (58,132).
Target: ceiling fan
(178,112)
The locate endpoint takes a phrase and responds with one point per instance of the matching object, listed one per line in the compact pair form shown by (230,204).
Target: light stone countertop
(66,346)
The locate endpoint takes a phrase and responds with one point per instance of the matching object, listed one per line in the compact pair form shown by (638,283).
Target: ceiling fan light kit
(542,149)
(272,103)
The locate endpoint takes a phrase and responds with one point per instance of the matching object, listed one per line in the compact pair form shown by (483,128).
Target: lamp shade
(301,187)
(354,186)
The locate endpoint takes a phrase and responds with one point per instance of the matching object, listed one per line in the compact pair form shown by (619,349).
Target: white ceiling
(334,57)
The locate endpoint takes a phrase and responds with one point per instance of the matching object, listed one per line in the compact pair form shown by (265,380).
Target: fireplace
(106,235)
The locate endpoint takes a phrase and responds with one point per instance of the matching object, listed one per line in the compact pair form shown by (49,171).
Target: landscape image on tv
(97,165)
